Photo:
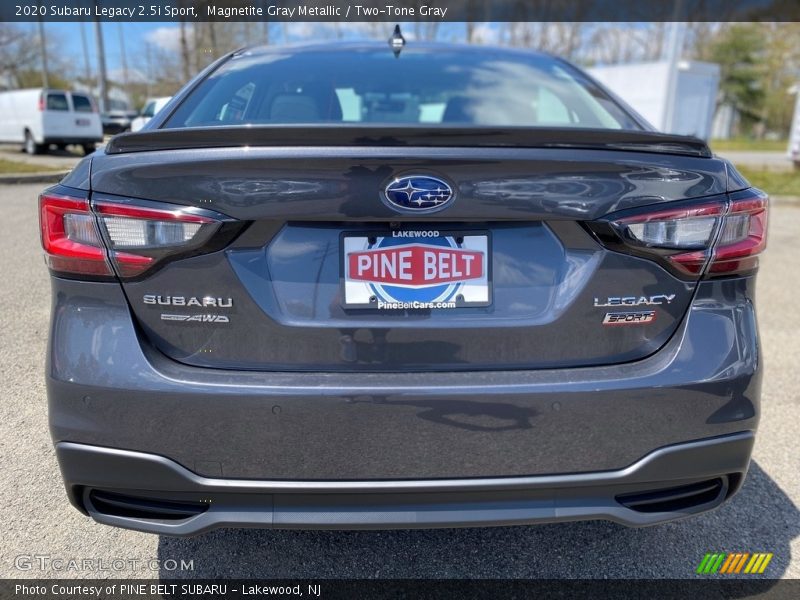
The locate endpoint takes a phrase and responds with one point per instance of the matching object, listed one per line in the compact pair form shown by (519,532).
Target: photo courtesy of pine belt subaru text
(360,285)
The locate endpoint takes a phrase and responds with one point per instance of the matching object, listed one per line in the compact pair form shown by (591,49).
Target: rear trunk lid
(284,295)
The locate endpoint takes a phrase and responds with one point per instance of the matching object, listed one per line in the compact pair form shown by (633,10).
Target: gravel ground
(39,521)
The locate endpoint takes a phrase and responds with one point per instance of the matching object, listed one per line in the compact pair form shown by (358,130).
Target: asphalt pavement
(42,533)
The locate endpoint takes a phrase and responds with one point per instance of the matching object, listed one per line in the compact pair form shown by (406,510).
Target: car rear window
(57,101)
(82,103)
(149,109)
(422,87)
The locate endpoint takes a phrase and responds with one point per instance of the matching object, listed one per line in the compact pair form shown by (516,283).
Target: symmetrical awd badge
(418,193)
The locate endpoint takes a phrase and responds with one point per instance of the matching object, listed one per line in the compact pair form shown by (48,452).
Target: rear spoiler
(439,136)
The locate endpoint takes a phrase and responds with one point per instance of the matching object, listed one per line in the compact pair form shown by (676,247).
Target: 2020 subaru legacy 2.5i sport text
(331,287)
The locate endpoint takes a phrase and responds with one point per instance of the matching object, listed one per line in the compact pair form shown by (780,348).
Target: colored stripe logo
(733,563)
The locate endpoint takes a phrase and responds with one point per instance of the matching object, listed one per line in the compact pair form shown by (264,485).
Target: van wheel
(88,148)
(31,147)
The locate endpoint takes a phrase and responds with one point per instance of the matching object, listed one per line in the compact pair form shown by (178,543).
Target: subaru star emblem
(418,193)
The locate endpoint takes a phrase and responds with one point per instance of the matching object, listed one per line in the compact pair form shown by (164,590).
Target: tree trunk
(185,56)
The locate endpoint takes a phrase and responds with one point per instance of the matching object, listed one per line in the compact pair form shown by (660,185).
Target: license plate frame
(455,244)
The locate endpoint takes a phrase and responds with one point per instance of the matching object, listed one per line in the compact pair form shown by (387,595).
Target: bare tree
(614,43)
(20,58)
(212,39)
(18,51)
(564,39)
(186,66)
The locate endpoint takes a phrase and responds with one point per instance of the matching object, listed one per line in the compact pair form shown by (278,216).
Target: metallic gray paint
(80,176)
(302,318)
(284,271)
(107,386)
(463,431)
(342,183)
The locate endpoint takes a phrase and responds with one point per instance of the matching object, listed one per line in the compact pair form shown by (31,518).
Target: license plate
(416,269)
(82,122)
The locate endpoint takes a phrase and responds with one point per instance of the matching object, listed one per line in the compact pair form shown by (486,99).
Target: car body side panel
(80,176)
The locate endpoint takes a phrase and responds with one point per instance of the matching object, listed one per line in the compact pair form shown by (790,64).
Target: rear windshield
(422,87)
(149,109)
(57,101)
(81,103)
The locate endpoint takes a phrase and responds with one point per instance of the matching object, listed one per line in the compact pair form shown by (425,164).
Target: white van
(794,132)
(151,107)
(39,118)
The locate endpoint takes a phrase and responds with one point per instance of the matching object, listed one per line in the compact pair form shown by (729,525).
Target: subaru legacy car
(358,286)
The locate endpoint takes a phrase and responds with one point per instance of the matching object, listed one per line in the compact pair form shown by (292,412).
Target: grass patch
(775,183)
(748,145)
(13,166)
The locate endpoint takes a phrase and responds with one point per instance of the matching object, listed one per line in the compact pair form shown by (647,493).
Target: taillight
(40,104)
(743,236)
(125,236)
(674,231)
(71,240)
(716,238)
(138,236)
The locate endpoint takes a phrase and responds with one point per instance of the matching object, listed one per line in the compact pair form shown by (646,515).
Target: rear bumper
(669,483)
(108,387)
(399,449)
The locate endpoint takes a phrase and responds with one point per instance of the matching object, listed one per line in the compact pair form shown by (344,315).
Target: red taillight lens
(131,265)
(135,237)
(742,238)
(40,105)
(722,238)
(70,238)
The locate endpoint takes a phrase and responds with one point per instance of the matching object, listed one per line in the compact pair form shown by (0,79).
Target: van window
(82,103)
(150,109)
(57,101)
